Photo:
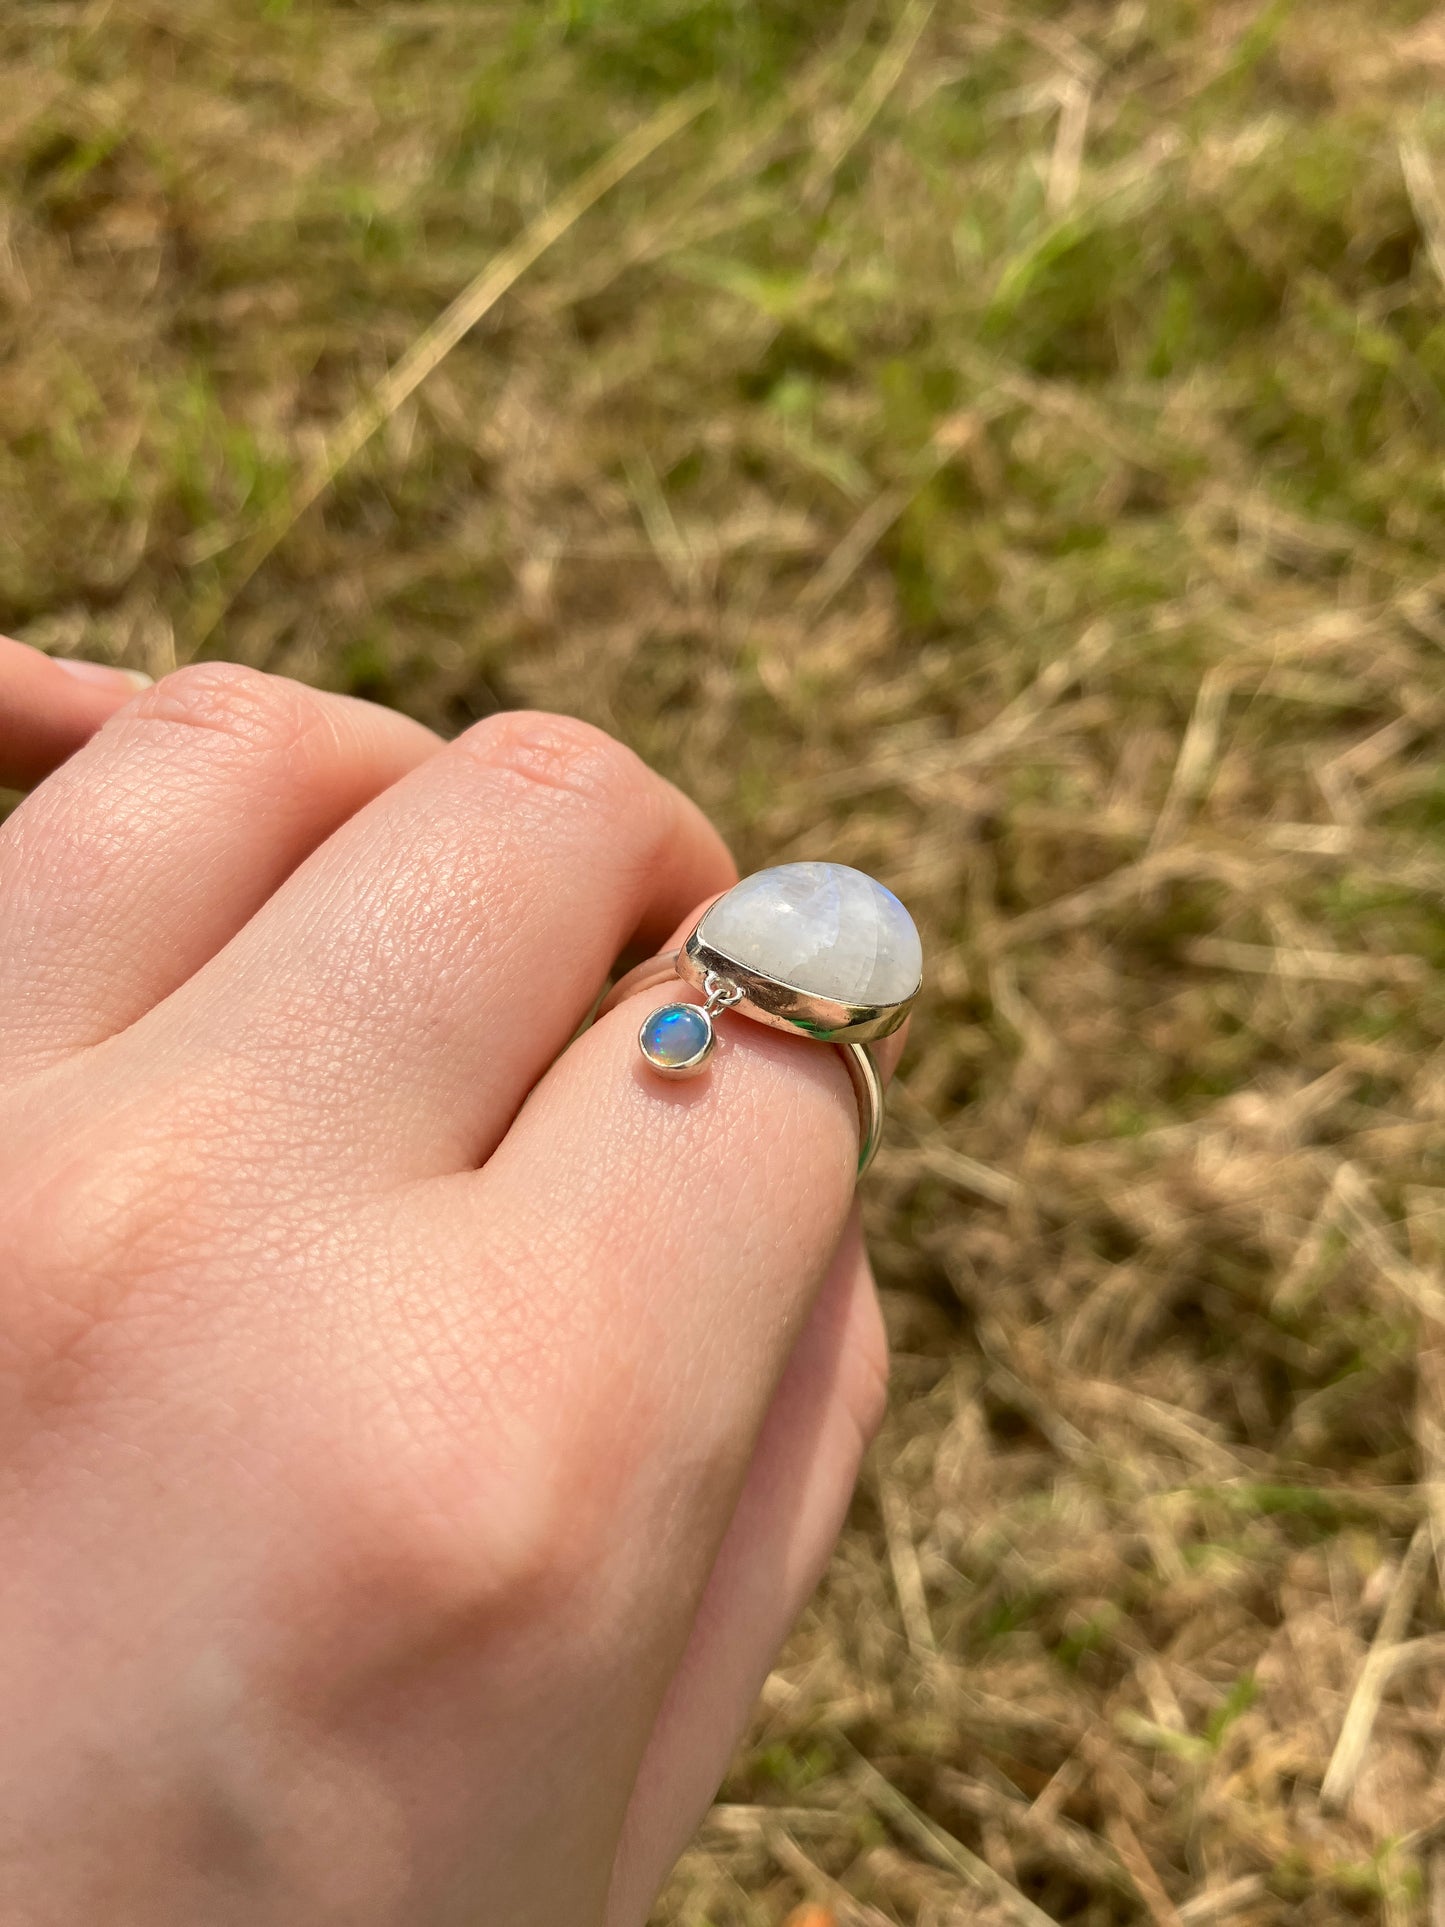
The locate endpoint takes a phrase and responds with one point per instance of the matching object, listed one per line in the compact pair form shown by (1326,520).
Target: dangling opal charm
(678,1039)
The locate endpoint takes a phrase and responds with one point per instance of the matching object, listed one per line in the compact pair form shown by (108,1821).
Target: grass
(999,446)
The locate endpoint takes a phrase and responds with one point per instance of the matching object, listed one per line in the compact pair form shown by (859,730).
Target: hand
(416,1434)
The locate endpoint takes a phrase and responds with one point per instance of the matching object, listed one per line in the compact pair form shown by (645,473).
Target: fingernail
(102,672)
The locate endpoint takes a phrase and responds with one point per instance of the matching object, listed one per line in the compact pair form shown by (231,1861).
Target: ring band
(862,1068)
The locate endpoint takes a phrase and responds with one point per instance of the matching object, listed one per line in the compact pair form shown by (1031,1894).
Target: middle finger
(417,975)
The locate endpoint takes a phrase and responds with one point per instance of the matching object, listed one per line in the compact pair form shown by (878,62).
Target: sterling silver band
(862,1070)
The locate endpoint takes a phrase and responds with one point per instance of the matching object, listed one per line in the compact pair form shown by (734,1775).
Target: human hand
(413,1449)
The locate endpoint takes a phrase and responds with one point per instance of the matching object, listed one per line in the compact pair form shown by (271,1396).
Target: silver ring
(814,948)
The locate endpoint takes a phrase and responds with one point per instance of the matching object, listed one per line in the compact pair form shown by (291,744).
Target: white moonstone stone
(823,928)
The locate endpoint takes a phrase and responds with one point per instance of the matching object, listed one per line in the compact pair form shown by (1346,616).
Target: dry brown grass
(998,446)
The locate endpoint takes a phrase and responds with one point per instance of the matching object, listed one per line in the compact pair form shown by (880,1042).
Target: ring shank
(858,1059)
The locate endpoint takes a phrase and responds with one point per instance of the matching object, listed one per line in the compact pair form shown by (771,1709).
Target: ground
(998,445)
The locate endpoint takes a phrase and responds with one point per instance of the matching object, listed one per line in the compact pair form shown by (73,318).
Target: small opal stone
(822,928)
(676,1040)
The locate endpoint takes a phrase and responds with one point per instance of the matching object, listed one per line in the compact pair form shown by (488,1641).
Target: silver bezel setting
(782,1005)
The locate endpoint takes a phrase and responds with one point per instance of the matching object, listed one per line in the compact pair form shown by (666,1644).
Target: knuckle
(483,1485)
(458,1537)
(561,754)
(242,707)
(87,1230)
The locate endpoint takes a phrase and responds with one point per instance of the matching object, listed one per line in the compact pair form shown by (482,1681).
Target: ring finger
(638,1332)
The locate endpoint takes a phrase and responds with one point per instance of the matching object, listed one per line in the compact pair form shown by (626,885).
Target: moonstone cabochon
(822,928)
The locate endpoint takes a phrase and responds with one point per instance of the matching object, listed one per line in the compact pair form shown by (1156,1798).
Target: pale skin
(416,1436)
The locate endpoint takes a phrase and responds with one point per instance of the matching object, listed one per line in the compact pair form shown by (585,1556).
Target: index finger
(50,706)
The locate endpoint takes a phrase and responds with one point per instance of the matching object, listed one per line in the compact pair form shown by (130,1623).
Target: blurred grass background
(999,446)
